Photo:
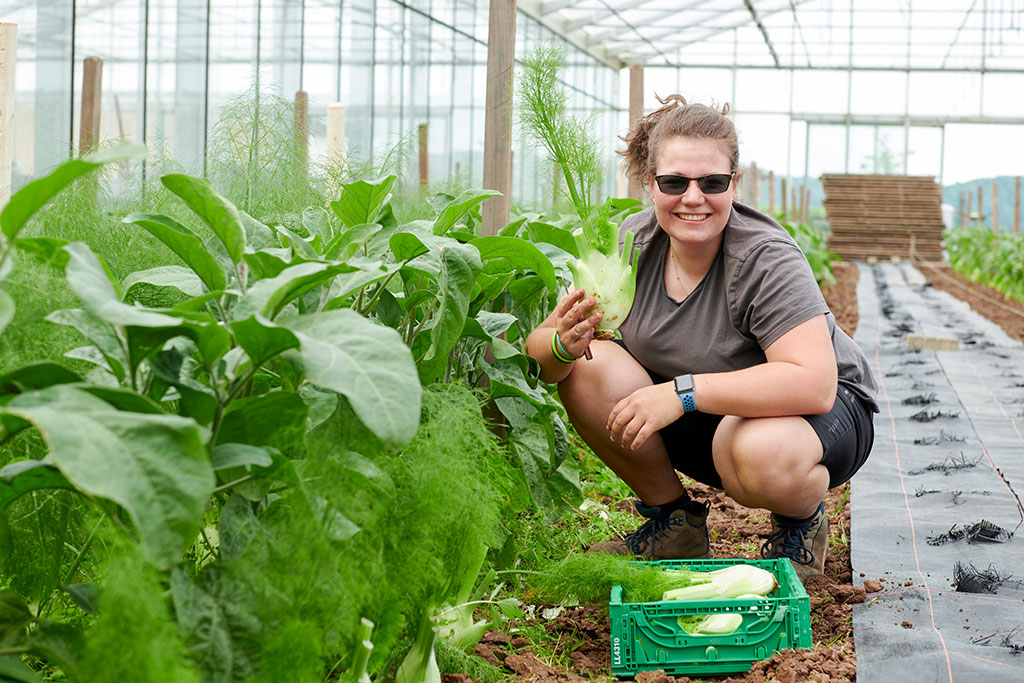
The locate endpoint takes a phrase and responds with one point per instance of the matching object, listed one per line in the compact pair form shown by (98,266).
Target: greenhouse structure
(272,401)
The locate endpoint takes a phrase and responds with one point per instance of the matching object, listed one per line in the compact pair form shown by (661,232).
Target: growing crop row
(993,259)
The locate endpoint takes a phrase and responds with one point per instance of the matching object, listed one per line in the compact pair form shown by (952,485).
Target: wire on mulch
(978,532)
(1007,641)
(948,465)
(970,579)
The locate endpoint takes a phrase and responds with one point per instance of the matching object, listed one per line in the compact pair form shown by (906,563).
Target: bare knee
(765,462)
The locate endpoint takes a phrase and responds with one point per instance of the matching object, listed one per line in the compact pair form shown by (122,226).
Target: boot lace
(644,540)
(788,541)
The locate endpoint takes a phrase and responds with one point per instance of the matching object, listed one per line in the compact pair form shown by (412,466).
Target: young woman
(730,369)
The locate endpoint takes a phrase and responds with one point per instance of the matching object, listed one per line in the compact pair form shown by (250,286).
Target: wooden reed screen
(883,215)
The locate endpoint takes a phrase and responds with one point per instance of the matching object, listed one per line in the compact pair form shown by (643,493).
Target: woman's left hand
(635,418)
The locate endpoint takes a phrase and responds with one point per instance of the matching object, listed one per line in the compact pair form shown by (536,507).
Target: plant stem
(236,482)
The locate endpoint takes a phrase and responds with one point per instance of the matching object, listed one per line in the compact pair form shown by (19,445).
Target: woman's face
(692,217)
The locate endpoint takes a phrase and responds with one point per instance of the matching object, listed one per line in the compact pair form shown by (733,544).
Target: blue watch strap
(689,405)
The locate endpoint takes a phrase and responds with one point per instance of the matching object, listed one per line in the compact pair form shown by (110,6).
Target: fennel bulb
(603,272)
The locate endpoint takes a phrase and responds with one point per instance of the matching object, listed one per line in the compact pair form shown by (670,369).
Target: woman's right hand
(576,321)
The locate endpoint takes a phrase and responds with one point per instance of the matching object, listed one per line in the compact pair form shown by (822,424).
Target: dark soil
(987,302)
(576,647)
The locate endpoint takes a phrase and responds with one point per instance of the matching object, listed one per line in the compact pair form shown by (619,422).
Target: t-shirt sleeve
(773,291)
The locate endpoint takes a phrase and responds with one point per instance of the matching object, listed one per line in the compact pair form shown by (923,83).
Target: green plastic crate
(646,636)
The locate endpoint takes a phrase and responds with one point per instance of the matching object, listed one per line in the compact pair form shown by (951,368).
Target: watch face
(684,384)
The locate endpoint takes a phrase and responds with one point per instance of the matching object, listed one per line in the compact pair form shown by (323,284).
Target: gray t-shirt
(759,287)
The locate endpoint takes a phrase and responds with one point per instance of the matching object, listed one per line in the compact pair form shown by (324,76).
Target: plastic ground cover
(940,491)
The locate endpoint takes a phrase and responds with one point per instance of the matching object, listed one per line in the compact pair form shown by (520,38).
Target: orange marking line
(1020,508)
(903,486)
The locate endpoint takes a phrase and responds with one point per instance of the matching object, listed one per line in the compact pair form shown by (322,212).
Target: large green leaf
(175,366)
(13,671)
(155,466)
(89,280)
(553,482)
(277,419)
(503,254)
(552,234)
(58,645)
(300,247)
(221,215)
(367,363)
(362,201)
(267,297)
(35,194)
(347,284)
(185,244)
(459,207)
(37,375)
(99,332)
(18,478)
(182,279)
(347,243)
(454,267)
(316,221)
(262,339)
(222,635)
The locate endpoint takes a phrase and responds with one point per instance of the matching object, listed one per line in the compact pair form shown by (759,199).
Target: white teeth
(693,216)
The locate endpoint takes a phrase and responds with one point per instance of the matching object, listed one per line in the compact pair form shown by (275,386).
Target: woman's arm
(574,323)
(799,377)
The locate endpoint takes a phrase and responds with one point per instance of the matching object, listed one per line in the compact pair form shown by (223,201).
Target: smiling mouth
(692,216)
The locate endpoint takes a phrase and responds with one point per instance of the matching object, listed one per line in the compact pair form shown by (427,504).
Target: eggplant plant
(267,422)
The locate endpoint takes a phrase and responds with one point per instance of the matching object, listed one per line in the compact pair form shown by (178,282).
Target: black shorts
(847,433)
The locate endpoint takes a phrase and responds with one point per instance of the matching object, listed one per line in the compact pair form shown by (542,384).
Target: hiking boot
(679,535)
(805,543)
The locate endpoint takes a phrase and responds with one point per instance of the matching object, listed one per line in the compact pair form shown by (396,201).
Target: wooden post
(970,197)
(8,54)
(501,45)
(960,210)
(795,207)
(424,161)
(335,132)
(785,214)
(1016,205)
(771,193)
(636,112)
(92,96)
(301,130)
(995,207)
(981,212)
(805,209)
(755,185)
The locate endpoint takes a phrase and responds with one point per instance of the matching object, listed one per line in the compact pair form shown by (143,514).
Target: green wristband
(559,352)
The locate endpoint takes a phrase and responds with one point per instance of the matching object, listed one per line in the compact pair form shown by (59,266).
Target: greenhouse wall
(171,66)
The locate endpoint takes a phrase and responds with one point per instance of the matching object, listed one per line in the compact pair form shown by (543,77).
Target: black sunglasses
(716,183)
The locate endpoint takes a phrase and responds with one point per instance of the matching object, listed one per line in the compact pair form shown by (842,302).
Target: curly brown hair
(677,118)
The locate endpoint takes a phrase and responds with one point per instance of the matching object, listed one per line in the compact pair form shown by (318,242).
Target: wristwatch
(684,387)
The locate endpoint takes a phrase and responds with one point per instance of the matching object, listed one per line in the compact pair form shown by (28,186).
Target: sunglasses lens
(714,184)
(673,184)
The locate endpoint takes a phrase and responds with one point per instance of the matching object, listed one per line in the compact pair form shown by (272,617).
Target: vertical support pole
(795,206)
(301,130)
(807,205)
(8,54)
(785,213)
(92,96)
(501,45)
(1016,205)
(995,207)
(960,210)
(981,211)
(335,133)
(771,193)
(424,159)
(636,112)
(967,216)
